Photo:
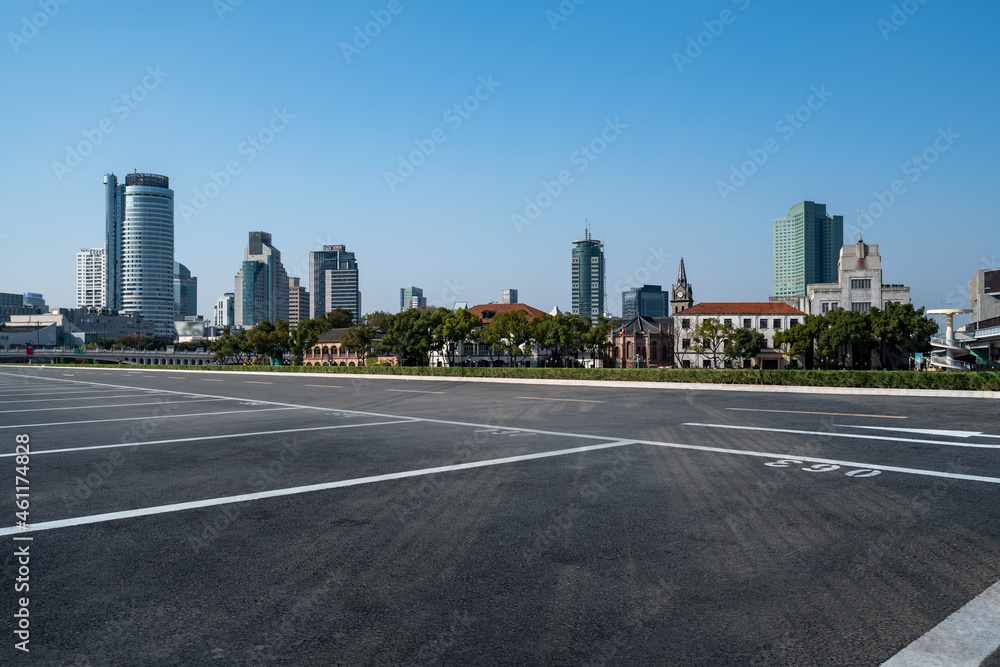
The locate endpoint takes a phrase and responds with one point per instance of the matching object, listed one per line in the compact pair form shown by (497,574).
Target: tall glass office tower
(806,248)
(333,281)
(146,260)
(261,284)
(588,277)
(185,292)
(114,214)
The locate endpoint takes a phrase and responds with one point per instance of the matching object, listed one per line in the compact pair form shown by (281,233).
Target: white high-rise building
(225,311)
(139,248)
(90,263)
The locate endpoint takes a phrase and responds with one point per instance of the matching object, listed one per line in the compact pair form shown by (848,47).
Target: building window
(685,343)
(728,321)
(793,323)
(685,324)
(777,324)
(763,323)
(861,306)
(747,323)
(861,283)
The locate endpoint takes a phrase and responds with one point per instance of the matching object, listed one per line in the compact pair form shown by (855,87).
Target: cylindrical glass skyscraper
(147,242)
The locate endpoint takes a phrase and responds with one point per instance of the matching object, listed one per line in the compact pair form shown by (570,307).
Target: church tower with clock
(682,295)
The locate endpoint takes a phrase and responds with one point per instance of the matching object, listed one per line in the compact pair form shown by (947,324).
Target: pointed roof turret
(682,276)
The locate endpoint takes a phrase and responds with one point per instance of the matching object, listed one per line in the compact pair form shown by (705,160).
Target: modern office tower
(90,278)
(509,296)
(333,281)
(648,301)
(185,293)
(225,314)
(588,277)
(114,217)
(35,299)
(261,284)
(147,251)
(298,302)
(411,297)
(806,248)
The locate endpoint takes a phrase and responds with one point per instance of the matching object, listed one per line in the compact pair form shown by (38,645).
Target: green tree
(847,331)
(598,337)
(899,330)
(456,328)
(230,347)
(358,340)
(511,332)
(412,335)
(709,338)
(800,340)
(744,344)
(377,320)
(562,335)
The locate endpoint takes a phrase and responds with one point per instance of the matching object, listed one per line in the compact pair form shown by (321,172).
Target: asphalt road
(194,518)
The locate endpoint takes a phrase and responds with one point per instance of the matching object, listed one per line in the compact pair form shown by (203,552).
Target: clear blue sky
(448,227)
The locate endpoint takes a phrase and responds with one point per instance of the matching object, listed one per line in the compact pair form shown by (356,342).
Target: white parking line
(177,507)
(127,419)
(803,412)
(572,400)
(910,471)
(857,436)
(202,438)
(47,391)
(120,405)
(74,398)
(967,637)
(927,431)
(415,391)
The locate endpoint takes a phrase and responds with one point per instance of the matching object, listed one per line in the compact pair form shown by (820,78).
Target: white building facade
(90,279)
(859,286)
(766,317)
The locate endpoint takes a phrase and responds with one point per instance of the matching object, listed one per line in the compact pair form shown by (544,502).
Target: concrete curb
(621,384)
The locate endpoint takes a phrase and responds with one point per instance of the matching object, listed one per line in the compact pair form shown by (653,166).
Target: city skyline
(510,153)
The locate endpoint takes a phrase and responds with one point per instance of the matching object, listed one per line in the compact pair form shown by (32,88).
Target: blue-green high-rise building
(588,277)
(806,248)
(261,284)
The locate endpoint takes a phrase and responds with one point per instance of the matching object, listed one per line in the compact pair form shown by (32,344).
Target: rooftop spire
(682,276)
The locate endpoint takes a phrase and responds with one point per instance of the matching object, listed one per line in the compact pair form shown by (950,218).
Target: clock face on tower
(679,293)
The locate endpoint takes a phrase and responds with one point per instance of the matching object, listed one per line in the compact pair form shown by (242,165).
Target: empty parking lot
(196,517)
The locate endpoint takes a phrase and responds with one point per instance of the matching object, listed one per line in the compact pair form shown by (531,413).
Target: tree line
(824,341)
(414,334)
(896,332)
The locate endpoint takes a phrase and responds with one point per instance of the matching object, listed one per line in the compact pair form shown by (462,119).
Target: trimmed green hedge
(979,381)
(976,381)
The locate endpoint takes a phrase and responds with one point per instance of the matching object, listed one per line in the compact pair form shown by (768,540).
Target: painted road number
(823,467)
